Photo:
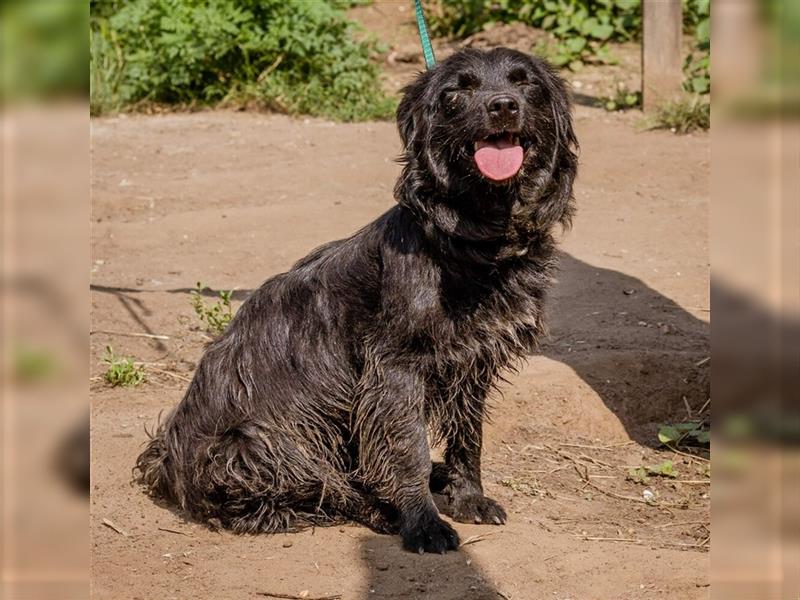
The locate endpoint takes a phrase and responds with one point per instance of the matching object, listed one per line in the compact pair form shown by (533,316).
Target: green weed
(581,29)
(217,315)
(122,370)
(697,67)
(642,474)
(684,115)
(622,99)
(677,434)
(293,57)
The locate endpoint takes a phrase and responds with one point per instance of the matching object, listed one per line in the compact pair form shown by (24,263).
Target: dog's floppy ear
(560,207)
(410,111)
(561,106)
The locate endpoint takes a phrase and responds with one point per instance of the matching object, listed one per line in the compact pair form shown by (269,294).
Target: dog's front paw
(477,508)
(429,534)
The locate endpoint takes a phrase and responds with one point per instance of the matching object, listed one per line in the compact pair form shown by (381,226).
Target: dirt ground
(231,198)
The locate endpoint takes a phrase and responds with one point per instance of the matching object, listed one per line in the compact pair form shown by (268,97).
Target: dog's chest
(482,334)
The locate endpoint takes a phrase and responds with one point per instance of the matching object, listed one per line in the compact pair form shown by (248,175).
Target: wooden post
(662,51)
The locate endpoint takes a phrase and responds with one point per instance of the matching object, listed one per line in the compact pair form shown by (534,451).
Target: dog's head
(489,127)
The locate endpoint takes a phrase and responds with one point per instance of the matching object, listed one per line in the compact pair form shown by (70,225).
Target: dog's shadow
(645,356)
(395,573)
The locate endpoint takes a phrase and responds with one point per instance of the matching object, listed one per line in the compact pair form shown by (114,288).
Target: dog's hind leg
(259,477)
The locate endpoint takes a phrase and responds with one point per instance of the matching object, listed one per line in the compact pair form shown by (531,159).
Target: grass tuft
(687,114)
(122,371)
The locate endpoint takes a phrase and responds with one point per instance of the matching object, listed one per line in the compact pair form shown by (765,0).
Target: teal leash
(424,38)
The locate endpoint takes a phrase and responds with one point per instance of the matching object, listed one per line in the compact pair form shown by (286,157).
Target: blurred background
(313,58)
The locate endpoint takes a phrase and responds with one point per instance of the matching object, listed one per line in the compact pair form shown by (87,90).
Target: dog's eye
(519,77)
(450,96)
(468,81)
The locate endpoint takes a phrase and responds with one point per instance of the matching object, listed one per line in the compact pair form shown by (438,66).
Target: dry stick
(607,539)
(153,336)
(676,451)
(617,496)
(688,408)
(595,461)
(700,412)
(663,525)
(474,539)
(681,545)
(108,523)
(590,447)
(168,530)
(294,597)
(171,374)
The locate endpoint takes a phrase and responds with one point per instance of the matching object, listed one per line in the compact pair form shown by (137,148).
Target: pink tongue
(498,160)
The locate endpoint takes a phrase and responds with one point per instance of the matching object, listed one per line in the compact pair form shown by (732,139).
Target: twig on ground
(152,336)
(608,539)
(296,597)
(620,496)
(664,525)
(702,545)
(168,530)
(474,539)
(596,462)
(700,363)
(170,374)
(686,454)
(110,524)
(590,447)
(688,408)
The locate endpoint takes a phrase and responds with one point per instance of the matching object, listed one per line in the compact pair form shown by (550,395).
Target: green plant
(684,115)
(295,57)
(216,316)
(122,370)
(622,99)
(698,61)
(581,29)
(642,474)
(676,434)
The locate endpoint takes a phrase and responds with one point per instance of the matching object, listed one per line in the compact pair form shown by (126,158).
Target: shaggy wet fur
(316,404)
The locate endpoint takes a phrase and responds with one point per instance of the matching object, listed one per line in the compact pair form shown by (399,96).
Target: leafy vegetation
(122,370)
(294,57)
(698,62)
(216,316)
(644,473)
(690,433)
(684,115)
(581,29)
(622,99)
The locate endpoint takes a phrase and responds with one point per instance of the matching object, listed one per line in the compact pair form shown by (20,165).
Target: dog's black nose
(502,106)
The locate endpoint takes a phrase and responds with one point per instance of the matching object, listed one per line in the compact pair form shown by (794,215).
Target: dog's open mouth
(499,157)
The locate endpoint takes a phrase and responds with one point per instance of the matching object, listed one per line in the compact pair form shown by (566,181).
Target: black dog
(315,405)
